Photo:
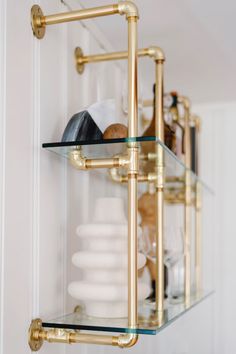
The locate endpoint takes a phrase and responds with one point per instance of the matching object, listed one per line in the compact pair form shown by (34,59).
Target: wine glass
(173,257)
(174,261)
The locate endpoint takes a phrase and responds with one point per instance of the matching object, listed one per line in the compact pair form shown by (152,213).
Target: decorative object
(103,259)
(91,123)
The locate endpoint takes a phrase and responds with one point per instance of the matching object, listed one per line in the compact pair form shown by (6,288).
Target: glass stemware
(174,254)
(173,257)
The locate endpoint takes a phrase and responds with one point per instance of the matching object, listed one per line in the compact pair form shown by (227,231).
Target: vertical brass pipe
(132,77)
(132,173)
(159,127)
(187,214)
(198,241)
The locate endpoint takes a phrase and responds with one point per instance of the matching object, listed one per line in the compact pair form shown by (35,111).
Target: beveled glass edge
(147,331)
(129,140)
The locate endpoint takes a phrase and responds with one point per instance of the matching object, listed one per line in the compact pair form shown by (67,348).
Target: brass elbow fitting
(156,53)
(127,340)
(77,160)
(128,8)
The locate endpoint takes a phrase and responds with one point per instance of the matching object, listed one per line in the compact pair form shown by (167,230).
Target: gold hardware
(79,65)
(35,342)
(129,9)
(198,243)
(37,335)
(116,177)
(37,27)
(132,173)
(187,215)
(155,53)
(81,163)
(39,21)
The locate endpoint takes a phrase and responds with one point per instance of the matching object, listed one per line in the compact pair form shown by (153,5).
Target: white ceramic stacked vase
(103,260)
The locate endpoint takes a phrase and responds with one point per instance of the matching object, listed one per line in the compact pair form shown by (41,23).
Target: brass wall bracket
(34,340)
(79,63)
(38,334)
(152,52)
(37,27)
(39,21)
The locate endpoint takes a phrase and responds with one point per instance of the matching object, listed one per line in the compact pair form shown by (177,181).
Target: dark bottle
(169,131)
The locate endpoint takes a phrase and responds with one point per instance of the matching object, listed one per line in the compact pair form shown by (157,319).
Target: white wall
(218,169)
(33,102)
(39,91)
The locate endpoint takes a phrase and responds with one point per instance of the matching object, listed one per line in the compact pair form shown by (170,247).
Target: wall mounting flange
(35,342)
(79,63)
(37,27)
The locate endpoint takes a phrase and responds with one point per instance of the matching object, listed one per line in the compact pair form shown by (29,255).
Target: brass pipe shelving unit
(130,161)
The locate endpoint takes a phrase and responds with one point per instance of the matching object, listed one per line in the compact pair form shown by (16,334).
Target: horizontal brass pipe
(86,59)
(149,177)
(82,163)
(79,15)
(153,52)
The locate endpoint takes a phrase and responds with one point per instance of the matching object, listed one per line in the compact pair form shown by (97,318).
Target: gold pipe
(198,244)
(159,127)
(82,163)
(187,215)
(39,21)
(37,335)
(152,52)
(116,177)
(132,174)
(79,15)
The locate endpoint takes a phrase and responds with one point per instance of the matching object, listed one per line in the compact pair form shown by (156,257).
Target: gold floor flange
(78,56)
(35,342)
(38,29)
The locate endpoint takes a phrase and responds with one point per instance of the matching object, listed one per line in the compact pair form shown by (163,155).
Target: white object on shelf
(97,260)
(103,260)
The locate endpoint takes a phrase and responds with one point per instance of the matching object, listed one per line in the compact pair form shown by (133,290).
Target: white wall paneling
(2,156)
(218,168)
(33,186)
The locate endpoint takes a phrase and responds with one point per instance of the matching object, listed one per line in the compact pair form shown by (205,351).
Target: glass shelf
(109,148)
(148,319)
